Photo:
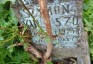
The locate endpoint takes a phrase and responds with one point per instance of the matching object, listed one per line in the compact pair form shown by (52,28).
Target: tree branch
(46,18)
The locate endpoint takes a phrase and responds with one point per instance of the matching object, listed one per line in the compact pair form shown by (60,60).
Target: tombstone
(66,23)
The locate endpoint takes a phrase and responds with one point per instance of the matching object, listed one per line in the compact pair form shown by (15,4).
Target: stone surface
(66,23)
(66,17)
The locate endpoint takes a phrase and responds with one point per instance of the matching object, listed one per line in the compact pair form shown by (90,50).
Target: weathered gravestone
(66,23)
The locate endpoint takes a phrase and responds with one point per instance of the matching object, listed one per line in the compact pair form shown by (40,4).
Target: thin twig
(31,48)
(33,17)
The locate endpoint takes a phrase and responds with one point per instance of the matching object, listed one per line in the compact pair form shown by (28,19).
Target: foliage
(3,1)
(9,37)
(88,22)
(49,63)
(9,34)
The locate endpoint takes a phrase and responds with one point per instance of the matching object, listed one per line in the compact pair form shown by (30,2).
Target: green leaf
(49,63)
(25,45)
(25,63)
(12,13)
(1,31)
(1,38)
(48,39)
(21,40)
(7,5)
(13,17)
(3,1)
(1,8)
(88,25)
(10,48)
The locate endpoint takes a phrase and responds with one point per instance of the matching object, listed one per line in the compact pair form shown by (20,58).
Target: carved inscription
(65,20)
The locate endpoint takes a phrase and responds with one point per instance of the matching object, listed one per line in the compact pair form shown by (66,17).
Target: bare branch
(33,50)
(45,15)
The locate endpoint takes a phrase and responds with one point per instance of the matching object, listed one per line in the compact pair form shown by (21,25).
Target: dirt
(70,60)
